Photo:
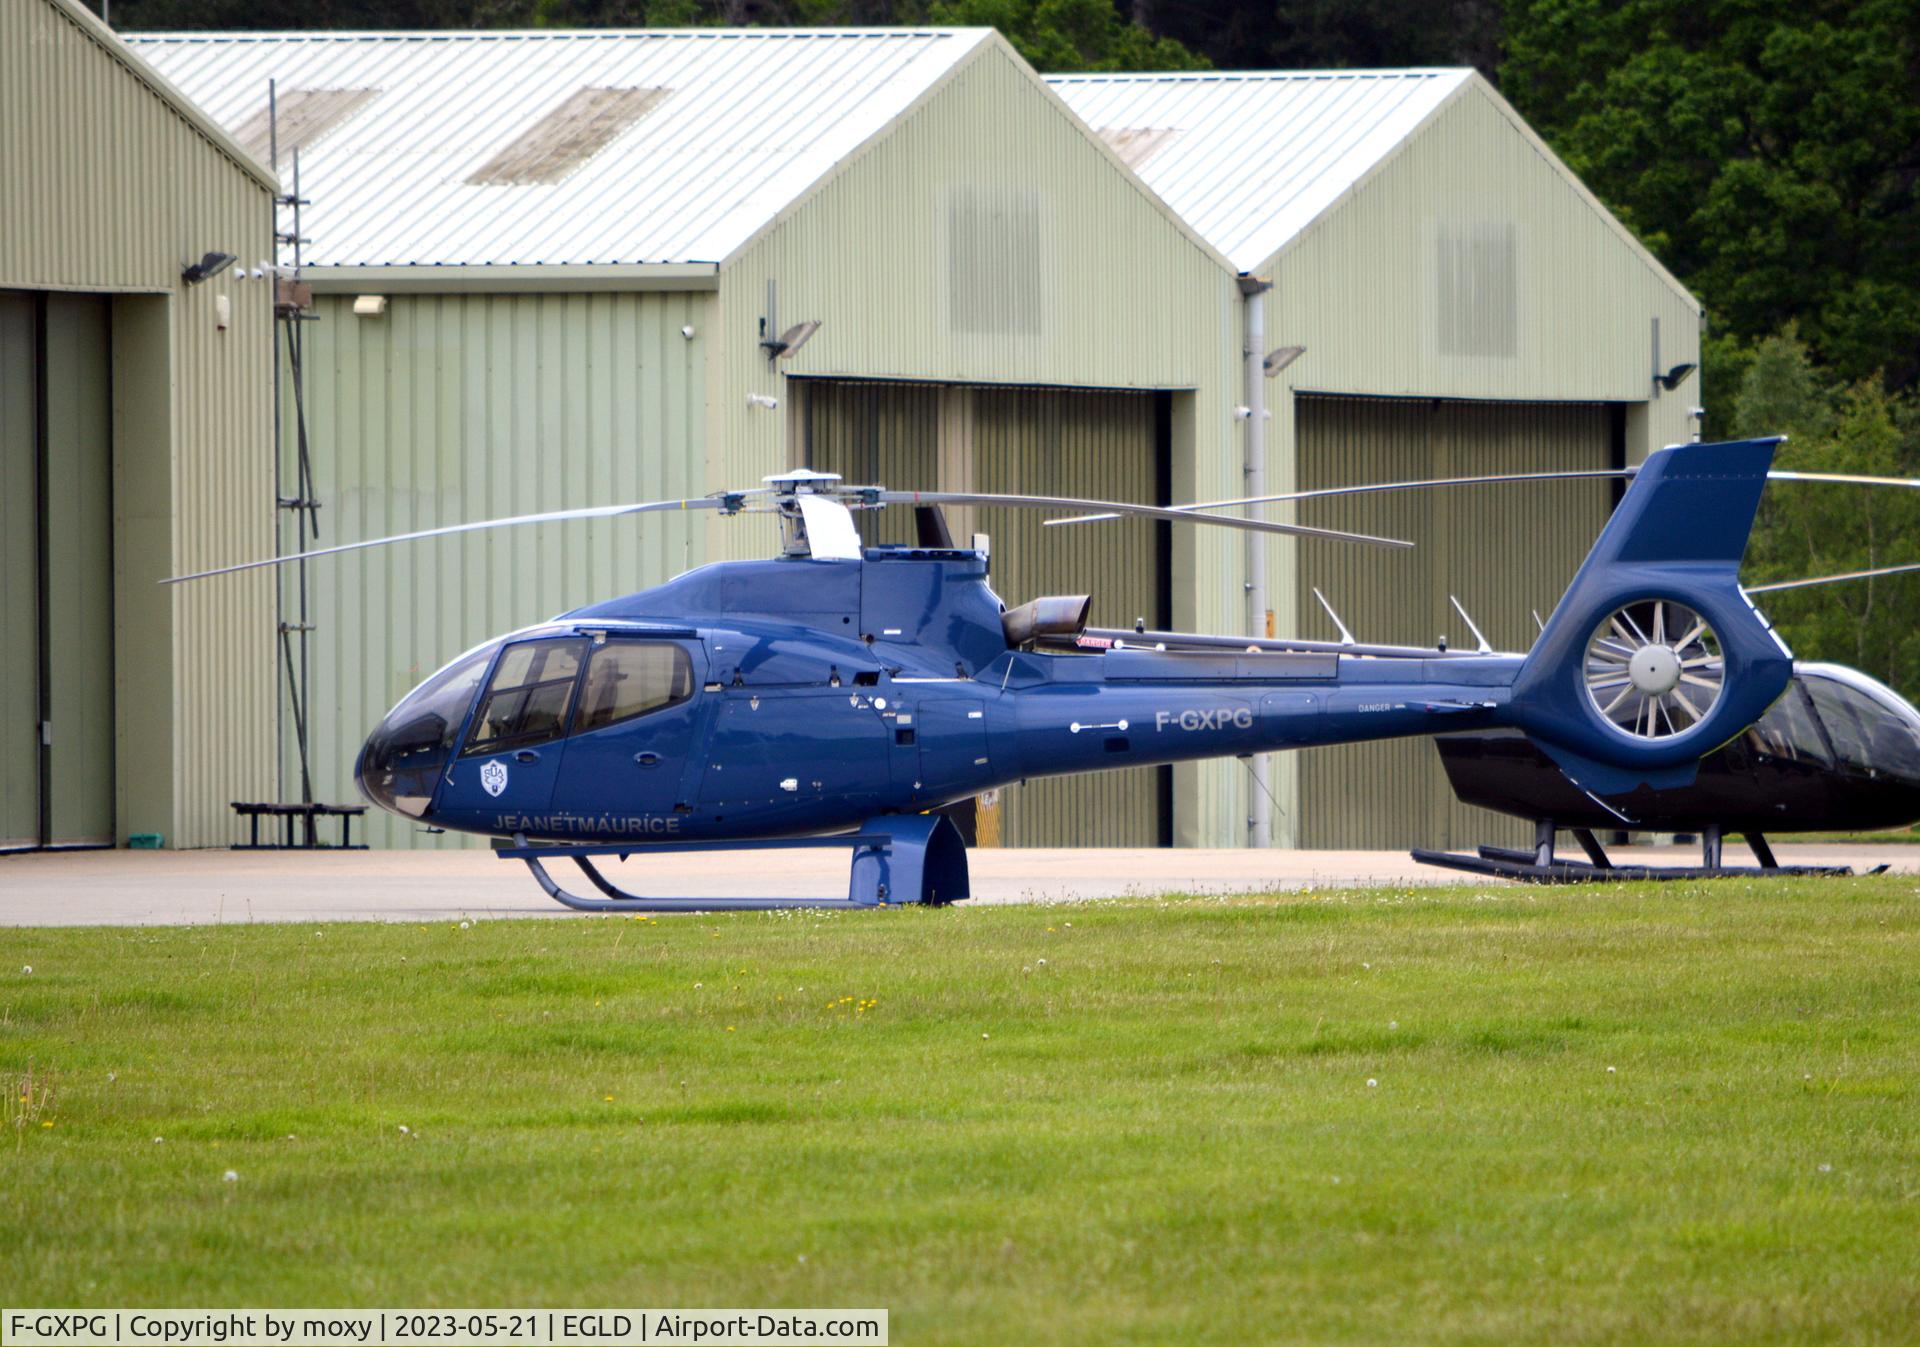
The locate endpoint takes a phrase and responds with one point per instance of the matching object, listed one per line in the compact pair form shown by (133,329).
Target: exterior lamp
(206,268)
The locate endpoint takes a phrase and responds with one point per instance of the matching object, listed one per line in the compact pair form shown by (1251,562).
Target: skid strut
(910,858)
(1542,866)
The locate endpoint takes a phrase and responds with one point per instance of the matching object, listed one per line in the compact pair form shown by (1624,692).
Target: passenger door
(503,778)
(635,738)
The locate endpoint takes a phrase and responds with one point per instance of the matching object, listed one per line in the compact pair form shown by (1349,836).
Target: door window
(1838,707)
(630,678)
(1788,731)
(530,697)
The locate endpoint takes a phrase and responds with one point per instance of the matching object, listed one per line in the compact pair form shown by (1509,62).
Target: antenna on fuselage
(1485,648)
(1346,637)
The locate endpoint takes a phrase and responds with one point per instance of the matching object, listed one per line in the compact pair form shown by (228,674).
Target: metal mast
(292,304)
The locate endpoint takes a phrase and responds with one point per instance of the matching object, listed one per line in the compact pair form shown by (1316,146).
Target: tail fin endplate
(1678,535)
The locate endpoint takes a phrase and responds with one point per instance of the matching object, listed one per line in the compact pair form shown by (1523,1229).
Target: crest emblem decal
(493,777)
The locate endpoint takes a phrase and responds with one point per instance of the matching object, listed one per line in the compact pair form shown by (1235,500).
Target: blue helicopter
(838,693)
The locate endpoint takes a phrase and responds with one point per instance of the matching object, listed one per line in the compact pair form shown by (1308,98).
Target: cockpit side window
(1840,709)
(1788,730)
(1867,733)
(631,678)
(529,698)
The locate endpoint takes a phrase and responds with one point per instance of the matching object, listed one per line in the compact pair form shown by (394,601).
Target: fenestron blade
(1114,509)
(547,517)
(1830,579)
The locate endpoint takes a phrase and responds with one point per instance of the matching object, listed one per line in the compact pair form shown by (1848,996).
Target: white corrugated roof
(749,119)
(1249,160)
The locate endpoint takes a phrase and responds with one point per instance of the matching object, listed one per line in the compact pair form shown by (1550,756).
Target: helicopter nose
(396,774)
(400,765)
(376,786)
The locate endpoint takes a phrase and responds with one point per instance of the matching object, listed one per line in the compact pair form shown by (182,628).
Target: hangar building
(1466,307)
(135,442)
(545,264)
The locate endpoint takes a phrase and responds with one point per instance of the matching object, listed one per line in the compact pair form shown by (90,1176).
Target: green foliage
(1069,35)
(1811,529)
(1054,35)
(1385,1116)
(1767,151)
(1330,34)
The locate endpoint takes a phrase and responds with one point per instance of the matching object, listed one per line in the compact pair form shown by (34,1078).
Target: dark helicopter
(832,695)
(1839,750)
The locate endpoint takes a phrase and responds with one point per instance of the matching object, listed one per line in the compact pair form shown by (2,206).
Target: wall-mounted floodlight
(369,306)
(1671,379)
(206,268)
(1278,360)
(784,345)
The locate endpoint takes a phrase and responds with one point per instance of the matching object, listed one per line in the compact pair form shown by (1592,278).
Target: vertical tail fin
(1655,657)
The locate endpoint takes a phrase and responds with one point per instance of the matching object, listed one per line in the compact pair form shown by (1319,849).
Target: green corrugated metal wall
(461,407)
(19,579)
(118,184)
(1038,442)
(1504,551)
(881,434)
(54,400)
(79,543)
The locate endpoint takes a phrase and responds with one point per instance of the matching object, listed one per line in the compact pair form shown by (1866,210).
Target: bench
(309,815)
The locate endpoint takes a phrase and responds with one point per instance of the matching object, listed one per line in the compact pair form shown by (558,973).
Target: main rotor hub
(1655,669)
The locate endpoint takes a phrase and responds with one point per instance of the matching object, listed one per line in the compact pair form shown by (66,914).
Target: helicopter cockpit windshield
(1872,730)
(1838,719)
(404,757)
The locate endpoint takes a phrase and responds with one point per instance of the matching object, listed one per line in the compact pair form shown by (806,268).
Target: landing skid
(909,858)
(1542,866)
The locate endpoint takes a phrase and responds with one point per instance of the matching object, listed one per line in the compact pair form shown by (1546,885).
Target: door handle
(647,759)
(526,755)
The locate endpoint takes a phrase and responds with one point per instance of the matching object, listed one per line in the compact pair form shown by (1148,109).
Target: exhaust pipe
(1043,620)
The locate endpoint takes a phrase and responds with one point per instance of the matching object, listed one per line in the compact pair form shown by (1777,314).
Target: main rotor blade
(1830,579)
(548,517)
(1114,509)
(1778,475)
(1378,486)
(1782,475)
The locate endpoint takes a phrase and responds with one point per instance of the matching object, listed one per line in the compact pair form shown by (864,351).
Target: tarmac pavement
(131,888)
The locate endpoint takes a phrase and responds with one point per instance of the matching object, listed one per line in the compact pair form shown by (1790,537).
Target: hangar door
(56,573)
(1504,551)
(1061,442)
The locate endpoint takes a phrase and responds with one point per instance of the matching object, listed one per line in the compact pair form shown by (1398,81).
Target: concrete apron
(130,888)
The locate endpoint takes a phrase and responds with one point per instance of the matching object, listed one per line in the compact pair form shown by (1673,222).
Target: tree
(1330,34)
(1768,151)
(1811,529)
(1054,35)
(1061,36)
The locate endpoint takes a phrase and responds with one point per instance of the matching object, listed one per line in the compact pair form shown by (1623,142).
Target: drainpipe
(1259,617)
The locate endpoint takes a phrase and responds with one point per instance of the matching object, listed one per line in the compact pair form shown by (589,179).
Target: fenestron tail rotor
(1654,668)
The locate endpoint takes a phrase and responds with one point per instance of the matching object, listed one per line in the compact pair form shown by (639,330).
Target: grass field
(1670,1114)
(1902,836)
